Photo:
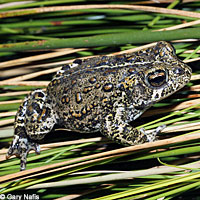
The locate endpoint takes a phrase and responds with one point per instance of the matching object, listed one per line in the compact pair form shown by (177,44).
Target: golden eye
(157,78)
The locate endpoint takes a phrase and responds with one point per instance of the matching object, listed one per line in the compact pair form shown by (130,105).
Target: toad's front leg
(34,119)
(114,127)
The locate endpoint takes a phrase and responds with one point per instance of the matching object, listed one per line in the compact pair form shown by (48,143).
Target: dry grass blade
(58,144)
(162,1)
(119,176)
(29,83)
(191,60)
(53,64)
(69,197)
(135,49)
(26,60)
(10,102)
(195,88)
(6,122)
(184,127)
(180,106)
(195,77)
(8,94)
(7,5)
(188,24)
(80,7)
(7,114)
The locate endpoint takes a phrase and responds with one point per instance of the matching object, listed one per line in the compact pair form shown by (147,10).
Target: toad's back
(86,91)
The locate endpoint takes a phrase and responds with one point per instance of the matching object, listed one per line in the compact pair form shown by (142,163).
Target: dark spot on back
(65,67)
(108,87)
(131,71)
(97,86)
(86,89)
(78,61)
(92,80)
(78,97)
(109,71)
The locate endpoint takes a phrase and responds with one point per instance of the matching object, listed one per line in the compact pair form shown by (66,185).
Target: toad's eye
(157,78)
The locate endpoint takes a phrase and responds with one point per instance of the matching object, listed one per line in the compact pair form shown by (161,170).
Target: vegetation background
(38,37)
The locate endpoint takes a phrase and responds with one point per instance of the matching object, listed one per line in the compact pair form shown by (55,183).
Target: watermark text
(19,196)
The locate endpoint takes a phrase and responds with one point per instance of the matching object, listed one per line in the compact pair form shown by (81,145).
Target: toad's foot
(20,147)
(151,136)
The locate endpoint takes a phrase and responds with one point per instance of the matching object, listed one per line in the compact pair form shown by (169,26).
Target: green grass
(90,166)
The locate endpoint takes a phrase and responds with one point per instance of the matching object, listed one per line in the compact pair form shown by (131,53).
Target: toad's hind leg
(114,127)
(34,119)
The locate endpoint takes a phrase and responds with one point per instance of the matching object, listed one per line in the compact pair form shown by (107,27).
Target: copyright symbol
(2,196)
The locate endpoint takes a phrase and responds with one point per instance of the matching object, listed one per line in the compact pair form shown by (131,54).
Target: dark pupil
(157,78)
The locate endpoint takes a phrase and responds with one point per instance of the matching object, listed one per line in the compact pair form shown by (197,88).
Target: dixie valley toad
(103,94)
